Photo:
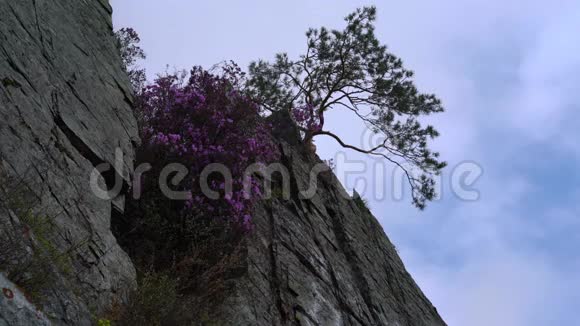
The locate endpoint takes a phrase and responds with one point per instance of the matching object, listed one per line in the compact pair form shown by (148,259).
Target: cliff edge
(322,259)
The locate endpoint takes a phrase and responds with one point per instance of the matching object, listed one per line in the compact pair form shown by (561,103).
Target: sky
(508,74)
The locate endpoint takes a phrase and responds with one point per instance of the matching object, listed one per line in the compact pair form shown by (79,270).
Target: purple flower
(199,123)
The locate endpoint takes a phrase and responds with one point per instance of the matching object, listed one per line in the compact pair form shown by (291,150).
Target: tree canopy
(128,43)
(351,69)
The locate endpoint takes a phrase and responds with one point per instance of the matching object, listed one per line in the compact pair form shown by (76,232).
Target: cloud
(548,77)
(495,288)
(486,263)
(508,76)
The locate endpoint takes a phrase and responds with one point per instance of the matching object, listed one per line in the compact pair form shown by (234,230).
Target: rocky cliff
(65,108)
(322,259)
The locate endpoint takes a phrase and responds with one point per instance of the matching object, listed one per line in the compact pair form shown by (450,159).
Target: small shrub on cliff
(28,253)
(103,322)
(128,43)
(196,122)
(153,302)
(202,122)
(362,203)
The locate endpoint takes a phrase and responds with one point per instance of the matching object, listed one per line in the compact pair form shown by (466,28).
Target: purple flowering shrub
(197,122)
(206,120)
(308,119)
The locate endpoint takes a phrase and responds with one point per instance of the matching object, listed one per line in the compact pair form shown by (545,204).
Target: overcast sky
(508,73)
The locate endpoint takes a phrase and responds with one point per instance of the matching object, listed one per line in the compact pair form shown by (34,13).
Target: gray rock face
(64,109)
(323,260)
(15,310)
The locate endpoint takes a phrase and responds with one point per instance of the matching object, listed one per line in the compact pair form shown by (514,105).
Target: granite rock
(322,259)
(65,109)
